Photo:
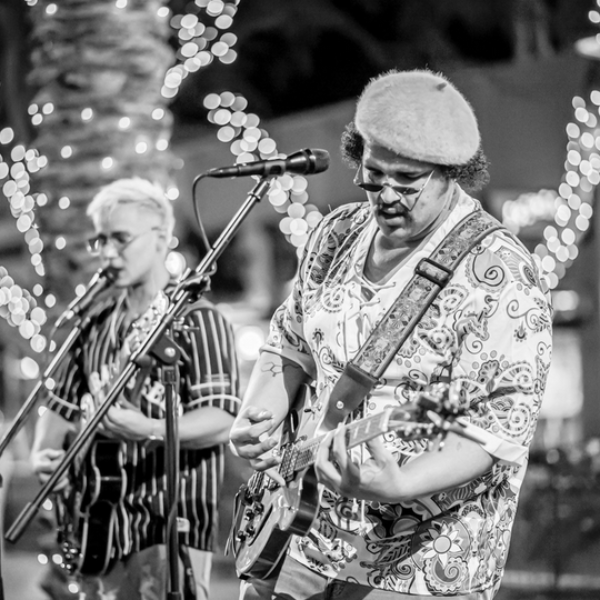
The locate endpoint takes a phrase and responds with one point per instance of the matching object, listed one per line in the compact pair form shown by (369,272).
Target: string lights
(204,36)
(248,141)
(202,42)
(66,131)
(18,306)
(570,207)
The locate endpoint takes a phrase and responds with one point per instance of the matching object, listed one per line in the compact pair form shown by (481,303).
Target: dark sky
(299,54)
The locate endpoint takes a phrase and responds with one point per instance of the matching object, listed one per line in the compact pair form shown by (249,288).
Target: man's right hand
(251,437)
(45,462)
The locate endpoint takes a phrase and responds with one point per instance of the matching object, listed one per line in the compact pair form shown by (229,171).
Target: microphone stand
(153,344)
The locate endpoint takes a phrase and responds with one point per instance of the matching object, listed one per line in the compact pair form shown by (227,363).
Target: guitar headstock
(442,408)
(441,398)
(430,414)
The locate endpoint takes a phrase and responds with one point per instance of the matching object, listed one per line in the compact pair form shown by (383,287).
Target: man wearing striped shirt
(133,221)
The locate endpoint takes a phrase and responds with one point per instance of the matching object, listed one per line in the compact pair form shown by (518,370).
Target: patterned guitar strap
(431,275)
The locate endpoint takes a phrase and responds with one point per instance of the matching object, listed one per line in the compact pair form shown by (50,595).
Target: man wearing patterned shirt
(397,520)
(133,221)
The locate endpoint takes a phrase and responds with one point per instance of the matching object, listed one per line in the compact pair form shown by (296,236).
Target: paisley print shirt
(489,330)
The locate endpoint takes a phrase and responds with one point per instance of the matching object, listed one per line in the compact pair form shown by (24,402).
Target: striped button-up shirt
(207,376)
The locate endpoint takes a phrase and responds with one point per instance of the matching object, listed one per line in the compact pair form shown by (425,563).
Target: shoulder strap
(430,277)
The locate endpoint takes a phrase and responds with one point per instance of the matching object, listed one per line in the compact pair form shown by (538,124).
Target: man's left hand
(373,479)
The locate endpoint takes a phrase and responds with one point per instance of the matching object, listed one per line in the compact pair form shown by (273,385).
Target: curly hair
(472,176)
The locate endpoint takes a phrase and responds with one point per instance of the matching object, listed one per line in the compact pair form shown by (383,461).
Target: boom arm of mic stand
(179,302)
(29,404)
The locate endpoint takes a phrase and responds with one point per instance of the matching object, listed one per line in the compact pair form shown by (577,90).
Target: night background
(81,85)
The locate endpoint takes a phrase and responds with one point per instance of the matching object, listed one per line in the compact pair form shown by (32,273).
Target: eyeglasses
(119,241)
(409,196)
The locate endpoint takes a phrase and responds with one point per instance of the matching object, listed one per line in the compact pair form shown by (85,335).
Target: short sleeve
(503,367)
(208,364)
(338,229)
(67,386)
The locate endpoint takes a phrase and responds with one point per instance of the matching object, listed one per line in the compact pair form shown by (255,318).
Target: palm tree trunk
(99,70)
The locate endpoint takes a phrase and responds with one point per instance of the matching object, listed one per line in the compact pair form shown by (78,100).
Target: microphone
(302,162)
(99,282)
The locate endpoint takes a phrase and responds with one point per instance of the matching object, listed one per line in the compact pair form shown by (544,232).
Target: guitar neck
(301,456)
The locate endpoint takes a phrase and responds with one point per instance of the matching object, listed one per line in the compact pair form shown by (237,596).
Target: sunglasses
(409,196)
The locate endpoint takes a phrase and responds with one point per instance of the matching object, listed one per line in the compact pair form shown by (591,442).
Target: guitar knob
(258,508)
(241,535)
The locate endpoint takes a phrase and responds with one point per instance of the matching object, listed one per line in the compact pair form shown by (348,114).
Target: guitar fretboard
(303,455)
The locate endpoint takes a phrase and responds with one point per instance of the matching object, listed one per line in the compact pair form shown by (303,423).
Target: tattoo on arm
(272,368)
(280,369)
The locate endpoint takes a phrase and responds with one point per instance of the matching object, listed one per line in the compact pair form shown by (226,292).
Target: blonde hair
(139,192)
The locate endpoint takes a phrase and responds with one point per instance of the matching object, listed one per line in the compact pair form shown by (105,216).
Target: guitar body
(263,538)
(266,515)
(87,517)
(97,531)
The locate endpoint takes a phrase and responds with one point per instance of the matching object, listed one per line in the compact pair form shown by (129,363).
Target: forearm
(381,478)
(457,463)
(274,385)
(272,389)
(201,428)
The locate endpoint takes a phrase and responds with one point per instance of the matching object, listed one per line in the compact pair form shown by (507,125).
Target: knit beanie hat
(418,115)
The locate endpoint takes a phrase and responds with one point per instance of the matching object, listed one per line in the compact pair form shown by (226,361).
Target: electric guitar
(267,514)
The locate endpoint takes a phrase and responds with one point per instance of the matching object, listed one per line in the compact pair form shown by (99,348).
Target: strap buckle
(433,271)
